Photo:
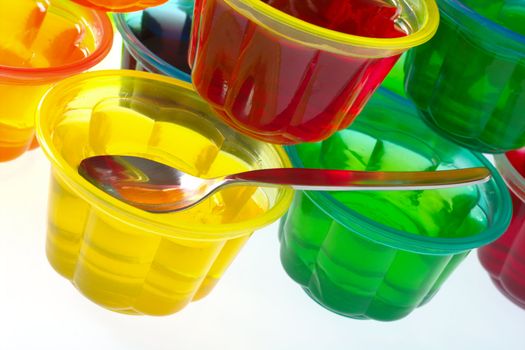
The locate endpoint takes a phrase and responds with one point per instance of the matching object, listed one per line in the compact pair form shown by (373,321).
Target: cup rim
(467,14)
(514,180)
(51,73)
(141,53)
(260,12)
(398,239)
(131,215)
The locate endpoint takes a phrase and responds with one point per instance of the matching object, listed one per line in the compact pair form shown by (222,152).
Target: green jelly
(380,254)
(394,81)
(468,81)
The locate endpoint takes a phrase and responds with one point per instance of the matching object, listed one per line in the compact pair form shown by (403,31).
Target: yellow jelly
(121,257)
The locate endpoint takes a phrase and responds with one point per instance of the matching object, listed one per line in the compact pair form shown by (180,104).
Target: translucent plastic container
(468,80)
(126,259)
(284,80)
(157,39)
(504,259)
(379,255)
(120,5)
(42,42)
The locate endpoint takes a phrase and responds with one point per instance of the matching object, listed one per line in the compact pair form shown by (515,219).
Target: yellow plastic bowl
(123,258)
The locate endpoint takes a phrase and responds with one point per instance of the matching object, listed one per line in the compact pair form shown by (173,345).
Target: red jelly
(505,258)
(286,84)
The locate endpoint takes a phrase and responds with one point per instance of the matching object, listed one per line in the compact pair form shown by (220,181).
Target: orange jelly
(41,42)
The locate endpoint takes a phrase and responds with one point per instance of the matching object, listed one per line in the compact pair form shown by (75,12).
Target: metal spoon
(156,187)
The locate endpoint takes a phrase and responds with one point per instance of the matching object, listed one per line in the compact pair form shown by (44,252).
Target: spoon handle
(347,180)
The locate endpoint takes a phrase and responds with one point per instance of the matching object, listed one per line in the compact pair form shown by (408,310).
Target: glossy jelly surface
(41,42)
(308,70)
(157,39)
(119,5)
(504,259)
(468,81)
(380,254)
(126,259)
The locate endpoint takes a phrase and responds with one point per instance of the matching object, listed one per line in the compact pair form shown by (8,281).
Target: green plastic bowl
(379,255)
(468,81)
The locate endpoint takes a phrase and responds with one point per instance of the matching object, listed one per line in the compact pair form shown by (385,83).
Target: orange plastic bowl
(42,42)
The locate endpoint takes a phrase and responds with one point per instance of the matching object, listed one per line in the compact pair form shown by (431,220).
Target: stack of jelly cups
(283,72)
(157,39)
(275,77)
(379,255)
(41,43)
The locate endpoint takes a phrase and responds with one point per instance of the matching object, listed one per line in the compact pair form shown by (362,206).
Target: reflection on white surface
(255,306)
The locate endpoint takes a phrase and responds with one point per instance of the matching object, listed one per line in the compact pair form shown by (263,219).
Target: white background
(255,306)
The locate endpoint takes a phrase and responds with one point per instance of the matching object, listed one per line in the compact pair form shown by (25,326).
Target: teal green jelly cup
(379,255)
(469,80)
